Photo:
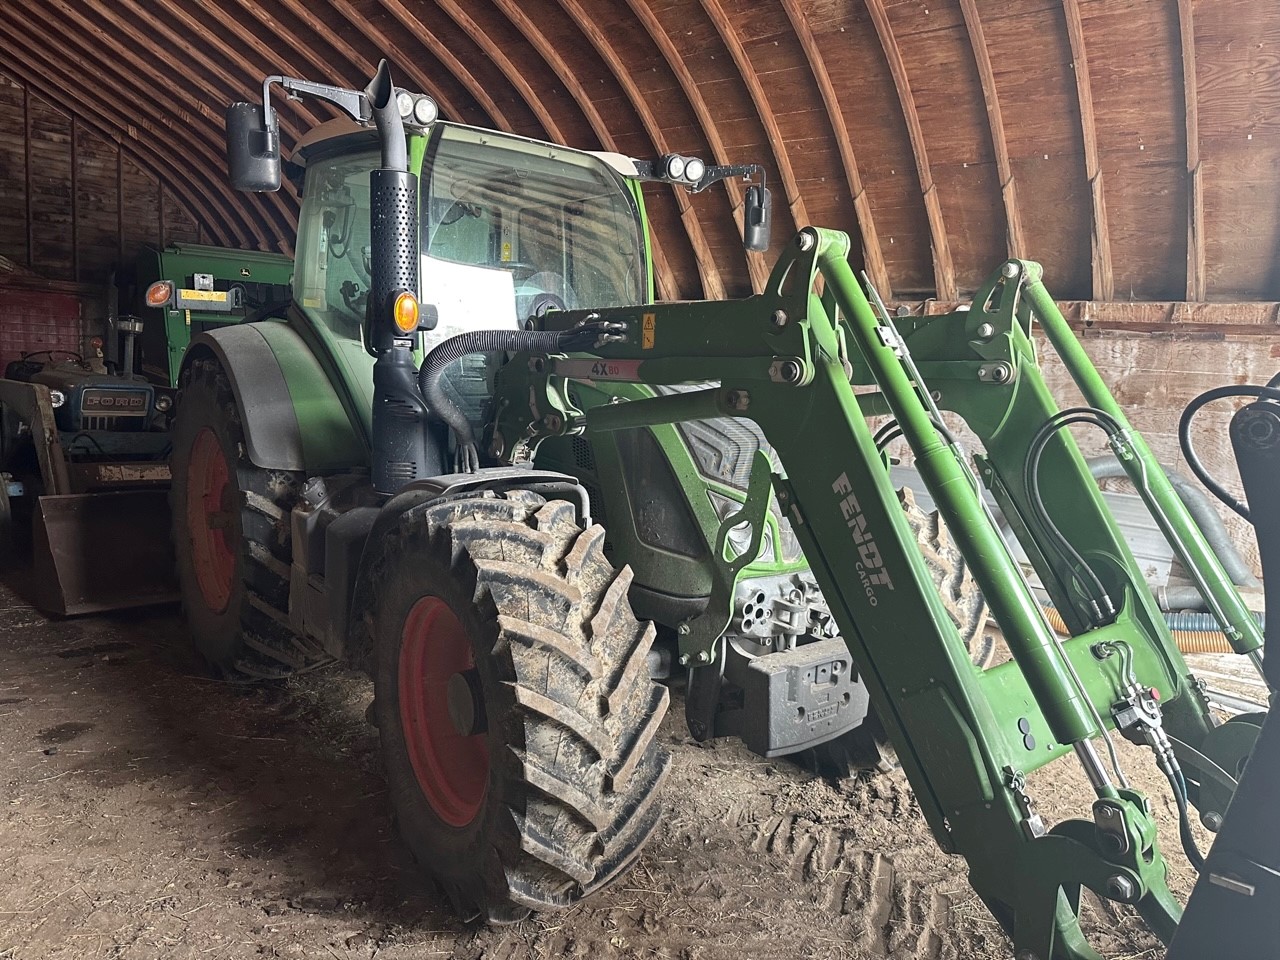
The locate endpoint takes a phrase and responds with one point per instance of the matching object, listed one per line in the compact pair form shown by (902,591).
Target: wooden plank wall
(72,205)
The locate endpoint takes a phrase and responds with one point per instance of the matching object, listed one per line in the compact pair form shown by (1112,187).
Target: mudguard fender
(292,416)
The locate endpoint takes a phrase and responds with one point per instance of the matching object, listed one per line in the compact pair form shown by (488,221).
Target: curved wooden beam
(756,266)
(90,116)
(729,36)
(248,85)
(1015,238)
(872,253)
(126,87)
(364,66)
(37,69)
(513,73)
(712,284)
(421,33)
(1196,280)
(667,289)
(1103,278)
(944,271)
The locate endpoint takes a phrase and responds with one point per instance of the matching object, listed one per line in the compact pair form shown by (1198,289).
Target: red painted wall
(32,320)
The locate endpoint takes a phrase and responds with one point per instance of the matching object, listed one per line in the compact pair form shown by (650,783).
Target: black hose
(1269,392)
(439,405)
(1100,601)
(1179,785)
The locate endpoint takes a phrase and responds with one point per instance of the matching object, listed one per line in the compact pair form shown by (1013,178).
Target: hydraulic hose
(584,337)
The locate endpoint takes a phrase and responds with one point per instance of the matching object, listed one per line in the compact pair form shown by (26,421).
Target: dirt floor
(147,811)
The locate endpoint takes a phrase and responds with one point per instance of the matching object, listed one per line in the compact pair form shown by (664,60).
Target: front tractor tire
(232,538)
(513,699)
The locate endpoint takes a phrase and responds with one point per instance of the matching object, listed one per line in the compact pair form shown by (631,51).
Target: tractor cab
(509,228)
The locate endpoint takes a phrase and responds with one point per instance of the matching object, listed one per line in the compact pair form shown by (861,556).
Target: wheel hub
(211,503)
(442,712)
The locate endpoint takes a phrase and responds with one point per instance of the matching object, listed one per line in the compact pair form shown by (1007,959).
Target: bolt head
(684,659)
(1212,820)
(806,240)
(779,318)
(1010,270)
(1120,887)
(999,373)
(986,331)
(704,657)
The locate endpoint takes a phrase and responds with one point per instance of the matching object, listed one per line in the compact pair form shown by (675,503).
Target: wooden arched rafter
(873,255)
(363,65)
(667,288)
(113,126)
(1016,239)
(497,117)
(943,266)
(708,271)
(1100,259)
(756,267)
(1196,279)
(729,37)
(194,130)
(221,234)
(513,73)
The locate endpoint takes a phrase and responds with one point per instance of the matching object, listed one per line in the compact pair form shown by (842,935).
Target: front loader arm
(966,737)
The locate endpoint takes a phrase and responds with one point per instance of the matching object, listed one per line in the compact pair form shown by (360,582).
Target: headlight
(404,104)
(694,169)
(425,111)
(675,166)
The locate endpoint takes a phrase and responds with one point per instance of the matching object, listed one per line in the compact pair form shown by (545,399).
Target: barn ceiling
(1133,146)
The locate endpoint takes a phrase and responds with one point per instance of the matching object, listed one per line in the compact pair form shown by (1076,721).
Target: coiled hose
(583,337)
(1192,632)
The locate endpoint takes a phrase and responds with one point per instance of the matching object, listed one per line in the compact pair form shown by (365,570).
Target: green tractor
(407,471)
(84,437)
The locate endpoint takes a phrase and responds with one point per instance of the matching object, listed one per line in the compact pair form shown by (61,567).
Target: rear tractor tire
(513,700)
(232,538)
(867,746)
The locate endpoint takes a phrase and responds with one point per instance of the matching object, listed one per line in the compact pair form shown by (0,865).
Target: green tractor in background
(84,437)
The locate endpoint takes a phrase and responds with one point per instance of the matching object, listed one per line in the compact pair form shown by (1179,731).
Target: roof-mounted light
(404,104)
(425,111)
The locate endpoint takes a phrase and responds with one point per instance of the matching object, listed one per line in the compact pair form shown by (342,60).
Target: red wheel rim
(452,769)
(211,520)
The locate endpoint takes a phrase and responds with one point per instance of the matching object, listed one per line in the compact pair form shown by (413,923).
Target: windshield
(561,224)
(508,225)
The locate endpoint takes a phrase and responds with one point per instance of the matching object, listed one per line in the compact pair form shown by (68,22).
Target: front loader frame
(789,358)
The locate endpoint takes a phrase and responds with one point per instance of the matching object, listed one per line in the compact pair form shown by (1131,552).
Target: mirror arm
(747,171)
(353,102)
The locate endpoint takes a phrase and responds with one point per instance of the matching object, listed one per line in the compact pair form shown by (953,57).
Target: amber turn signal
(159,293)
(405,311)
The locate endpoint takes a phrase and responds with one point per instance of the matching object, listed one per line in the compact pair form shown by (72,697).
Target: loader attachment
(102,551)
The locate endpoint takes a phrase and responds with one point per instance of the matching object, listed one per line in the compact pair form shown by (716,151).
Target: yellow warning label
(210,296)
(646,331)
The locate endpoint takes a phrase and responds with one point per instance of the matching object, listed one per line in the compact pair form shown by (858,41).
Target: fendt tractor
(411,471)
(84,436)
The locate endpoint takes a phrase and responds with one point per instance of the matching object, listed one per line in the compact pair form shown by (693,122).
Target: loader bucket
(103,551)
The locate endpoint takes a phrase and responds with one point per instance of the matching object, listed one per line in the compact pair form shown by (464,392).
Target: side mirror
(253,148)
(756,219)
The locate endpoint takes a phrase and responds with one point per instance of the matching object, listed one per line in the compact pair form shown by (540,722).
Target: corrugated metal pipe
(1206,518)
